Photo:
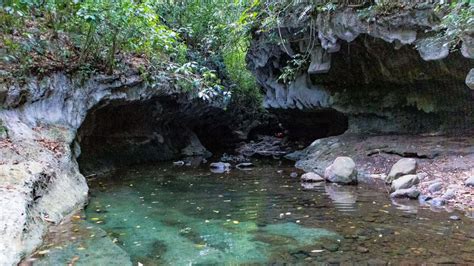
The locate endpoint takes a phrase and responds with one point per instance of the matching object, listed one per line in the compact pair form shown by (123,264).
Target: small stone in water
(454,217)
(293,175)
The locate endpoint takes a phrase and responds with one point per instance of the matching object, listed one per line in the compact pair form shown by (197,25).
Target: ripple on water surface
(164,215)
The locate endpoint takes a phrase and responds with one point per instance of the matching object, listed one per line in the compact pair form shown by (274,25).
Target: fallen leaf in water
(95,219)
(317,250)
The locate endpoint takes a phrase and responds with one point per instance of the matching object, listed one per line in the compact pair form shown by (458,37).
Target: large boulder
(405,181)
(342,171)
(311,177)
(405,166)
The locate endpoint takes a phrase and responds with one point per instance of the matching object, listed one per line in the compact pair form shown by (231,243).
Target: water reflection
(344,198)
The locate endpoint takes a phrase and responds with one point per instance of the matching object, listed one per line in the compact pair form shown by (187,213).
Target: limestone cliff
(387,74)
(115,119)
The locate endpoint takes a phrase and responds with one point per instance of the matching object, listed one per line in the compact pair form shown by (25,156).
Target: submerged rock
(405,181)
(403,167)
(411,193)
(311,177)
(342,170)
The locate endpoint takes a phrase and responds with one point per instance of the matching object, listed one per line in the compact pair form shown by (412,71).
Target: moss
(3,130)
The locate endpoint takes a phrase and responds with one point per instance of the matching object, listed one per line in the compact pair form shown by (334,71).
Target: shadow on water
(160,214)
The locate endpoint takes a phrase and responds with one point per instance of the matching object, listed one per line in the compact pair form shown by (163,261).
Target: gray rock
(342,170)
(195,148)
(403,167)
(433,49)
(311,177)
(219,167)
(293,175)
(411,193)
(449,194)
(469,182)
(470,79)
(435,187)
(405,181)
(320,61)
(467,48)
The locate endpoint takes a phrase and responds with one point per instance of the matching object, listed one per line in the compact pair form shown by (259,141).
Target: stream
(161,214)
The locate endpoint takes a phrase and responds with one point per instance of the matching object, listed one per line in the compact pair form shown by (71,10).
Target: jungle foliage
(201,42)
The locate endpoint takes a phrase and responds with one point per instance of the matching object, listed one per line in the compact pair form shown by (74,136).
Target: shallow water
(166,215)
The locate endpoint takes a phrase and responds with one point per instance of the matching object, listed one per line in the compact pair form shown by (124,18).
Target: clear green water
(165,215)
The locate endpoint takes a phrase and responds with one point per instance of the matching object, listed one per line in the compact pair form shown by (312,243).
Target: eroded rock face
(40,181)
(386,75)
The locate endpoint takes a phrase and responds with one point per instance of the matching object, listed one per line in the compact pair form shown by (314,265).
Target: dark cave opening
(303,126)
(125,133)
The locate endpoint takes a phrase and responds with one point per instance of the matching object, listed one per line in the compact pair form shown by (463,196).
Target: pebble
(293,175)
(454,217)
(362,249)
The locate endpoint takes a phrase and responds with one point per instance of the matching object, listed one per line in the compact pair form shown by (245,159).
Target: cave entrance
(120,133)
(304,126)
(125,133)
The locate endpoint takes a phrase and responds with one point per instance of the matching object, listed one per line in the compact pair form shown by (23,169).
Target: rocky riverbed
(444,161)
